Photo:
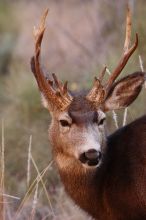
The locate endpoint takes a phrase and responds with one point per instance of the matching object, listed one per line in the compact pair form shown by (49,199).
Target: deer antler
(98,92)
(54,91)
(127,52)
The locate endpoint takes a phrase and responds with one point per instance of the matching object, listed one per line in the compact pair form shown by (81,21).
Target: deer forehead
(81,111)
(81,118)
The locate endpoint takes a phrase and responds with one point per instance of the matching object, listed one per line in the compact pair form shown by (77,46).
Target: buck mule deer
(105,176)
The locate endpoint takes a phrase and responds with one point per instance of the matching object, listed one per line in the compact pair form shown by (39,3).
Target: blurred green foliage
(20,105)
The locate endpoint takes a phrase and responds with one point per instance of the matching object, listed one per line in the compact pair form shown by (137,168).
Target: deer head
(77,129)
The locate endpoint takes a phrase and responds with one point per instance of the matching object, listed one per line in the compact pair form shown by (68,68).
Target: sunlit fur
(114,189)
(83,134)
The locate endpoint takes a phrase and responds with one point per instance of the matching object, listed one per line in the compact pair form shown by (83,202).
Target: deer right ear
(124,92)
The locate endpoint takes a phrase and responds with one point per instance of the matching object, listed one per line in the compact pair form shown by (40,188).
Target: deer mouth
(91,157)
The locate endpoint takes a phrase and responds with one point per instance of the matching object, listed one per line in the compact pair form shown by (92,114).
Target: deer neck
(81,184)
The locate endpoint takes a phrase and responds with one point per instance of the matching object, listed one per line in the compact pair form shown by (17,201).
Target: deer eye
(101,121)
(64,123)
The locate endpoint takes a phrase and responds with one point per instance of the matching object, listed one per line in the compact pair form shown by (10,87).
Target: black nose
(91,157)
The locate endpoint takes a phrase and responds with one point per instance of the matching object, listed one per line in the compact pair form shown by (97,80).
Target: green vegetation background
(81,36)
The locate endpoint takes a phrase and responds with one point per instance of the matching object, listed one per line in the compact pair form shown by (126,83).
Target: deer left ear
(124,92)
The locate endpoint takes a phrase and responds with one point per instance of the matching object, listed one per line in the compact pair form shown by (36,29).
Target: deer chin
(93,167)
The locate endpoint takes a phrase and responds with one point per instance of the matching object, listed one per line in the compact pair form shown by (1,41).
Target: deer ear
(124,92)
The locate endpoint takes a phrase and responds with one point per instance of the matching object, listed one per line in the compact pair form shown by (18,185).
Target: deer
(104,175)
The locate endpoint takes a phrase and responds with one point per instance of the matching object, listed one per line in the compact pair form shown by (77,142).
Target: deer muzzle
(91,157)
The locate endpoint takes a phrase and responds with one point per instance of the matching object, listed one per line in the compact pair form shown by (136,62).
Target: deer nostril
(91,157)
(92,154)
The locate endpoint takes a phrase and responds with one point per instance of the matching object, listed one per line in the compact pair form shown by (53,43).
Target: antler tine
(35,62)
(97,93)
(62,90)
(65,87)
(128,30)
(127,52)
(41,27)
(101,74)
(57,98)
(57,82)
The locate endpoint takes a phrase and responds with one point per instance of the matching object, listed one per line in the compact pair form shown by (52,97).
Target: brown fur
(117,189)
